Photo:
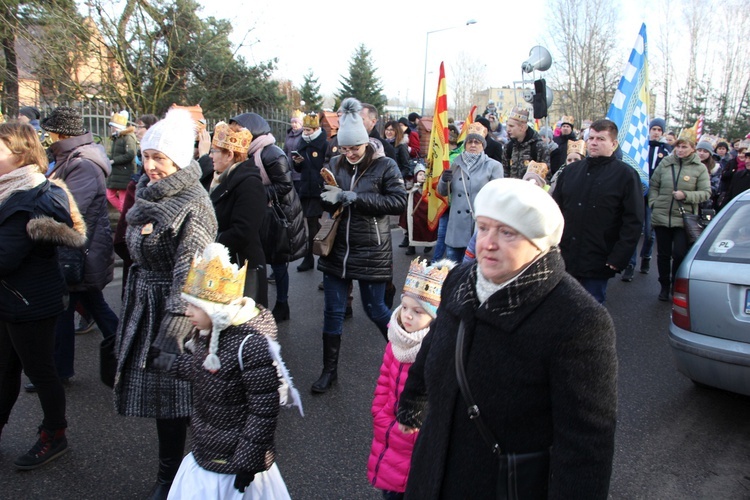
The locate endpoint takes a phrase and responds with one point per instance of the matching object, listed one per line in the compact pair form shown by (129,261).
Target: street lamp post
(426,45)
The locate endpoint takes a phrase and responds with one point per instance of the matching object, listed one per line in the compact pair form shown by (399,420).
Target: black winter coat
(362,249)
(313,153)
(602,202)
(541,364)
(240,205)
(494,149)
(32,224)
(84,167)
(558,157)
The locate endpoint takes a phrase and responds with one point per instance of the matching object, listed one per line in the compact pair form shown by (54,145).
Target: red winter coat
(414,145)
(390,455)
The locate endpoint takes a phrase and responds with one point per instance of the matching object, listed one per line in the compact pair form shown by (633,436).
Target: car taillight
(681,304)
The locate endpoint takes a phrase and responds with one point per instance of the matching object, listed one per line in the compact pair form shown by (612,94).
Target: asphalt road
(674,440)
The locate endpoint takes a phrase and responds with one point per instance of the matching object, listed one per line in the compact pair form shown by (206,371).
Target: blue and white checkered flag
(629,109)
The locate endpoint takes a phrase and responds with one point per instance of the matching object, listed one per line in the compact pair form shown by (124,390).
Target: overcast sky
(322,36)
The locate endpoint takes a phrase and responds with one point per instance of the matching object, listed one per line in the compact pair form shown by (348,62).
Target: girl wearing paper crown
(390,455)
(234,363)
(122,157)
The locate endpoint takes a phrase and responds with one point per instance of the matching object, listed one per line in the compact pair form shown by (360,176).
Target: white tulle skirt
(196,483)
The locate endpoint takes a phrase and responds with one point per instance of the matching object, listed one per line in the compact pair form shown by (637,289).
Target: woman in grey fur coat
(539,359)
(171,220)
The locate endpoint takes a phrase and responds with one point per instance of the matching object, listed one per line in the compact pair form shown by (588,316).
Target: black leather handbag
(72,262)
(520,475)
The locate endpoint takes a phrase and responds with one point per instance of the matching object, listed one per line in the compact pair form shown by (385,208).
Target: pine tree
(362,82)
(310,93)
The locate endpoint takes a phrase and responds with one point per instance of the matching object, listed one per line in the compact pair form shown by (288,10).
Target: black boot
(50,445)
(331,345)
(405,242)
(664,293)
(281,311)
(627,274)
(307,264)
(411,250)
(645,265)
(171,433)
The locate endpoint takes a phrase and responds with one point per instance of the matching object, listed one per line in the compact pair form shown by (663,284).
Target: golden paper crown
(120,119)
(311,121)
(297,114)
(538,168)
(688,134)
(577,147)
(425,283)
(237,142)
(520,114)
(214,278)
(476,128)
(568,120)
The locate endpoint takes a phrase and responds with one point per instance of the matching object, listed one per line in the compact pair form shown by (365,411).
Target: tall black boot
(331,345)
(171,433)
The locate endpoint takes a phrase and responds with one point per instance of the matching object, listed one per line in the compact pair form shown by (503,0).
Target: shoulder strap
(463,385)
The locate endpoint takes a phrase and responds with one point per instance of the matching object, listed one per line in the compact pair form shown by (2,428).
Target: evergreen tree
(362,82)
(310,93)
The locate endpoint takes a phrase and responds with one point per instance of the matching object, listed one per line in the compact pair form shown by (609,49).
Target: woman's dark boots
(331,345)
(280,311)
(664,293)
(313,226)
(172,433)
(50,445)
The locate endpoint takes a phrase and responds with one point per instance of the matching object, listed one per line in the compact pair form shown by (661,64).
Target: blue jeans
(648,238)
(65,337)
(455,254)
(281,273)
(439,250)
(336,292)
(596,287)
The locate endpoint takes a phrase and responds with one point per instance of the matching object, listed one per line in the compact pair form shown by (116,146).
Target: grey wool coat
(461,222)
(171,220)
(541,365)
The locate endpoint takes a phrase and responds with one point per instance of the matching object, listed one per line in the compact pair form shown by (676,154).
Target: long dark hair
(396,126)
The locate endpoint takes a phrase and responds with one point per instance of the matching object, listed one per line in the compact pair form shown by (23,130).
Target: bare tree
(582,75)
(467,76)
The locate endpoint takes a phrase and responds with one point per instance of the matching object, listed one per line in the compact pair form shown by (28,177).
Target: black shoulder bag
(519,475)
(691,223)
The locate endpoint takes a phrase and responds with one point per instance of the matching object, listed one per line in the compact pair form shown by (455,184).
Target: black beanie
(30,112)
(484,121)
(64,121)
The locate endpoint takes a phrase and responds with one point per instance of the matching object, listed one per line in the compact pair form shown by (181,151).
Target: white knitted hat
(523,206)
(174,136)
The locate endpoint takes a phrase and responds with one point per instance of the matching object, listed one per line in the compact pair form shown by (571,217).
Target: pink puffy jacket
(390,455)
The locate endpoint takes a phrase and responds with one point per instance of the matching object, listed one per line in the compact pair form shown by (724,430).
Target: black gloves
(161,360)
(446,176)
(243,480)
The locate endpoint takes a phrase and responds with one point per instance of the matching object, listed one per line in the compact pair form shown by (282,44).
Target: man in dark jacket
(560,154)
(84,167)
(602,202)
(657,150)
(525,145)
(370,118)
(493,149)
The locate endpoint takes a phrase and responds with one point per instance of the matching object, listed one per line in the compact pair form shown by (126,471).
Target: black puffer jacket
(362,249)
(84,167)
(281,188)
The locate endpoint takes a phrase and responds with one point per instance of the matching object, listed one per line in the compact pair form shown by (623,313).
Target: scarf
(486,288)
(470,158)
(20,179)
(405,345)
(219,177)
(313,136)
(256,147)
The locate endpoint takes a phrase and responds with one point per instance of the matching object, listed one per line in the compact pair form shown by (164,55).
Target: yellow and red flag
(465,126)
(437,156)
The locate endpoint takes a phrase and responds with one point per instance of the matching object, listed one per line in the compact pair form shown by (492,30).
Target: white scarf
(405,345)
(20,179)
(313,136)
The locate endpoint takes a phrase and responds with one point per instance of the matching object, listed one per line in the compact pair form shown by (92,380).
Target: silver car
(710,329)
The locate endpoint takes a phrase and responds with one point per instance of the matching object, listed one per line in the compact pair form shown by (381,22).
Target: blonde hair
(21,139)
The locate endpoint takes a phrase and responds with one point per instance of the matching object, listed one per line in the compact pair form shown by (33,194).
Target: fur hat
(64,120)
(352,130)
(519,114)
(524,207)
(658,122)
(174,136)
(705,145)
(425,283)
(311,121)
(216,286)
(120,120)
(475,136)
(30,112)
(237,142)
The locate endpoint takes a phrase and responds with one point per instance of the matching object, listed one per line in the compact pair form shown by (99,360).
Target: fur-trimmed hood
(130,130)
(47,229)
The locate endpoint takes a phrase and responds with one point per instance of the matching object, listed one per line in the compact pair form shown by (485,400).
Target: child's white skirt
(194,482)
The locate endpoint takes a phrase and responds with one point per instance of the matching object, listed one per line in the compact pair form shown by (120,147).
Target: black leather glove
(242,480)
(447,176)
(161,360)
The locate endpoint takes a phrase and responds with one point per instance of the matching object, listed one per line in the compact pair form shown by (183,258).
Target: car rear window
(729,239)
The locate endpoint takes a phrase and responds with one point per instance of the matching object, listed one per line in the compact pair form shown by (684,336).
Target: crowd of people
(538,222)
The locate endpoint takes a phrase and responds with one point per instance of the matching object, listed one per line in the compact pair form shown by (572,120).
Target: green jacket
(692,179)
(124,167)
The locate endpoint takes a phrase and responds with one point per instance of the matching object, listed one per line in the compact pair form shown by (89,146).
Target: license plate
(747,302)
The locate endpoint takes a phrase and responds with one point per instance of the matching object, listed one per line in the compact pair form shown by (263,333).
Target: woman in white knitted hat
(369,189)
(171,220)
(534,355)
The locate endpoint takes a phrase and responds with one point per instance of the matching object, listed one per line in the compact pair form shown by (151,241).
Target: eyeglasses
(349,149)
